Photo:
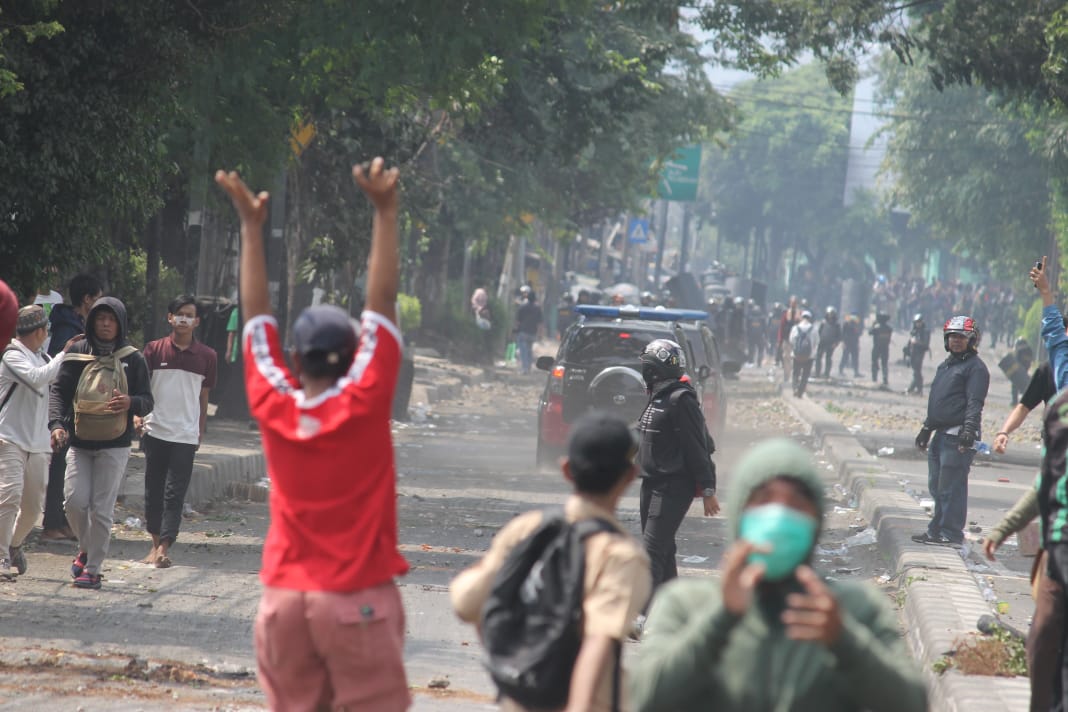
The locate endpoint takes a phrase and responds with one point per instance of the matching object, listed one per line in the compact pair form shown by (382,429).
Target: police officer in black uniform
(674,453)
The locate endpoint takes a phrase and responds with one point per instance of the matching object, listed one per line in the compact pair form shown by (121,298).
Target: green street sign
(681,172)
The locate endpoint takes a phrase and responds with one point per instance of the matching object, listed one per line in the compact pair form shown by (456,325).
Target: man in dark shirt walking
(919,345)
(953,425)
(527,325)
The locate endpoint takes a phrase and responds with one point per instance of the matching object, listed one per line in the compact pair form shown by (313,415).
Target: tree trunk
(153,239)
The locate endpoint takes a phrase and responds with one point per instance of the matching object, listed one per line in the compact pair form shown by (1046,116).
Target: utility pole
(684,248)
(661,242)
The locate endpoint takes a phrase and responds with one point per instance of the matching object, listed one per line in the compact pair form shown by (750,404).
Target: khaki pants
(23,479)
(332,651)
(90,488)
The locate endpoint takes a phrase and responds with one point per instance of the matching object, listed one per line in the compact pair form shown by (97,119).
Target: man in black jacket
(674,453)
(65,322)
(953,425)
(95,467)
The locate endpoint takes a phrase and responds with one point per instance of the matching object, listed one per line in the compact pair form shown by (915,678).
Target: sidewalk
(230,455)
(942,601)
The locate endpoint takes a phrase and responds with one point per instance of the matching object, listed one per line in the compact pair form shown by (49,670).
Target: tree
(777,181)
(966,164)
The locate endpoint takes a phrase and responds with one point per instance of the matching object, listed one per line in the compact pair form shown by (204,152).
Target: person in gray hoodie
(770,634)
(95,467)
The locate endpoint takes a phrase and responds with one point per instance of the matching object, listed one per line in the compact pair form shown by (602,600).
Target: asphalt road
(181,637)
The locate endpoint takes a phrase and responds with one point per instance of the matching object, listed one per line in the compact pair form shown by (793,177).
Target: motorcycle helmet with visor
(662,359)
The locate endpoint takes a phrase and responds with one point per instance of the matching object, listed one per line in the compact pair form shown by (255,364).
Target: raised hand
(252,209)
(1038,277)
(812,615)
(739,577)
(378,184)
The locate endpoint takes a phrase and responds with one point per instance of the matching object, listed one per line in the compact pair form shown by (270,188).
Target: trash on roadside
(847,570)
(927,503)
(854,429)
(843,510)
(132,522)
(861,538)
(837,551)
(885,451)
(975,529)
(1003,607)
(438,682)
(885,578)
(694,559)
(1004,479)
(419,412)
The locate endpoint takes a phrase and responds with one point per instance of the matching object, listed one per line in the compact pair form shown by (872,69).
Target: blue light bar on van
(628,311)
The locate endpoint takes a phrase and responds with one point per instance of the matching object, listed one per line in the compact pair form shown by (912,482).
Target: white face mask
(180,320)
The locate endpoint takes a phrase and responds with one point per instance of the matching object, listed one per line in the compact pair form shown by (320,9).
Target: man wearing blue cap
(330,629)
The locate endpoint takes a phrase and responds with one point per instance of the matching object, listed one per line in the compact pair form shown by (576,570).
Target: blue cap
(324,328)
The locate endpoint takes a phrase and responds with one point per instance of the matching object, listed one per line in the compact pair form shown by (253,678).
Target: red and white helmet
(963,325)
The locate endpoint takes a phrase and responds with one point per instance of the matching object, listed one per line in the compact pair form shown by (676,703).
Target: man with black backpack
(102,384)
(804,342)
(556,594)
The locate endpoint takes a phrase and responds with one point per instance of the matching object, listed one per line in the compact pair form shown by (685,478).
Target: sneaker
(939,540)
(87,580)
(18,559)
(78,565)
(6,573)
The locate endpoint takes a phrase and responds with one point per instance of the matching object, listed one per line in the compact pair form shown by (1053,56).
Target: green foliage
(1031,326)
(777,178)
(969,168)
(127,283)
(411,312)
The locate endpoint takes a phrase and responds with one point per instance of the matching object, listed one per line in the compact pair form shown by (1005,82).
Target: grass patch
(999,655)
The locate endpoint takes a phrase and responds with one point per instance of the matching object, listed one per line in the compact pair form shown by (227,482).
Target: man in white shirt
(183,372)
(25,374)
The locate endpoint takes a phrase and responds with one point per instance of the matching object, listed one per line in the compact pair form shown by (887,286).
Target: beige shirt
(618,584)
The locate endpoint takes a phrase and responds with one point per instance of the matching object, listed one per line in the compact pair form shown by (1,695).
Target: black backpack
(532,620)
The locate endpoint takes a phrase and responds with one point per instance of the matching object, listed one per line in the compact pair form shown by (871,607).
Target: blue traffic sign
(638,231)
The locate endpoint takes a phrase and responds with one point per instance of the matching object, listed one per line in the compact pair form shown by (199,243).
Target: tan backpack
(101,377)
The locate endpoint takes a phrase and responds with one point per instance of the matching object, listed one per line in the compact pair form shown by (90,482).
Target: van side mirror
(544,363)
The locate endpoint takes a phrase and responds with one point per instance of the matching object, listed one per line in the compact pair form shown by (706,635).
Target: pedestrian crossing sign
(638,231)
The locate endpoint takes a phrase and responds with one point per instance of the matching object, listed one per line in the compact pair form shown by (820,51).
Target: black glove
(966,438)
(923,438)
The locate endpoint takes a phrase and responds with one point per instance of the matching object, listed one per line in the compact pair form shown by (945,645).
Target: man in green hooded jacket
(771,635)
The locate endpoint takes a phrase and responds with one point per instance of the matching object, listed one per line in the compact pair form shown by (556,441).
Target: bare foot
(163,561)
(150,558)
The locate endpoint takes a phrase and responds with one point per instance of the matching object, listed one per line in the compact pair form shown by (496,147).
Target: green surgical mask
(787,533)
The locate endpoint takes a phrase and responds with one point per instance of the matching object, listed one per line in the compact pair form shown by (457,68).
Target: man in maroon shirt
(183,372)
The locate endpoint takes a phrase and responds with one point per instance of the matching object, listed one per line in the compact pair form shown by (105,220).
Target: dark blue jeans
(947,480)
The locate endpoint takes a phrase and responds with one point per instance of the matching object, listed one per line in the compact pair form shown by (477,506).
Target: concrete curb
(942,599)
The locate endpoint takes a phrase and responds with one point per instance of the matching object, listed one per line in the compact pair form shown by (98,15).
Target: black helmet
(831,312)
(963,325)
(882,317)
(662,359)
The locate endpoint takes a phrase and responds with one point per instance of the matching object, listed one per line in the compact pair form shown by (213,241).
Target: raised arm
(252,209)
(1053,333)
(383,264)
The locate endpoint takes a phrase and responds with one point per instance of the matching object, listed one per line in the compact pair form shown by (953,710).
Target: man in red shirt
(330,628)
